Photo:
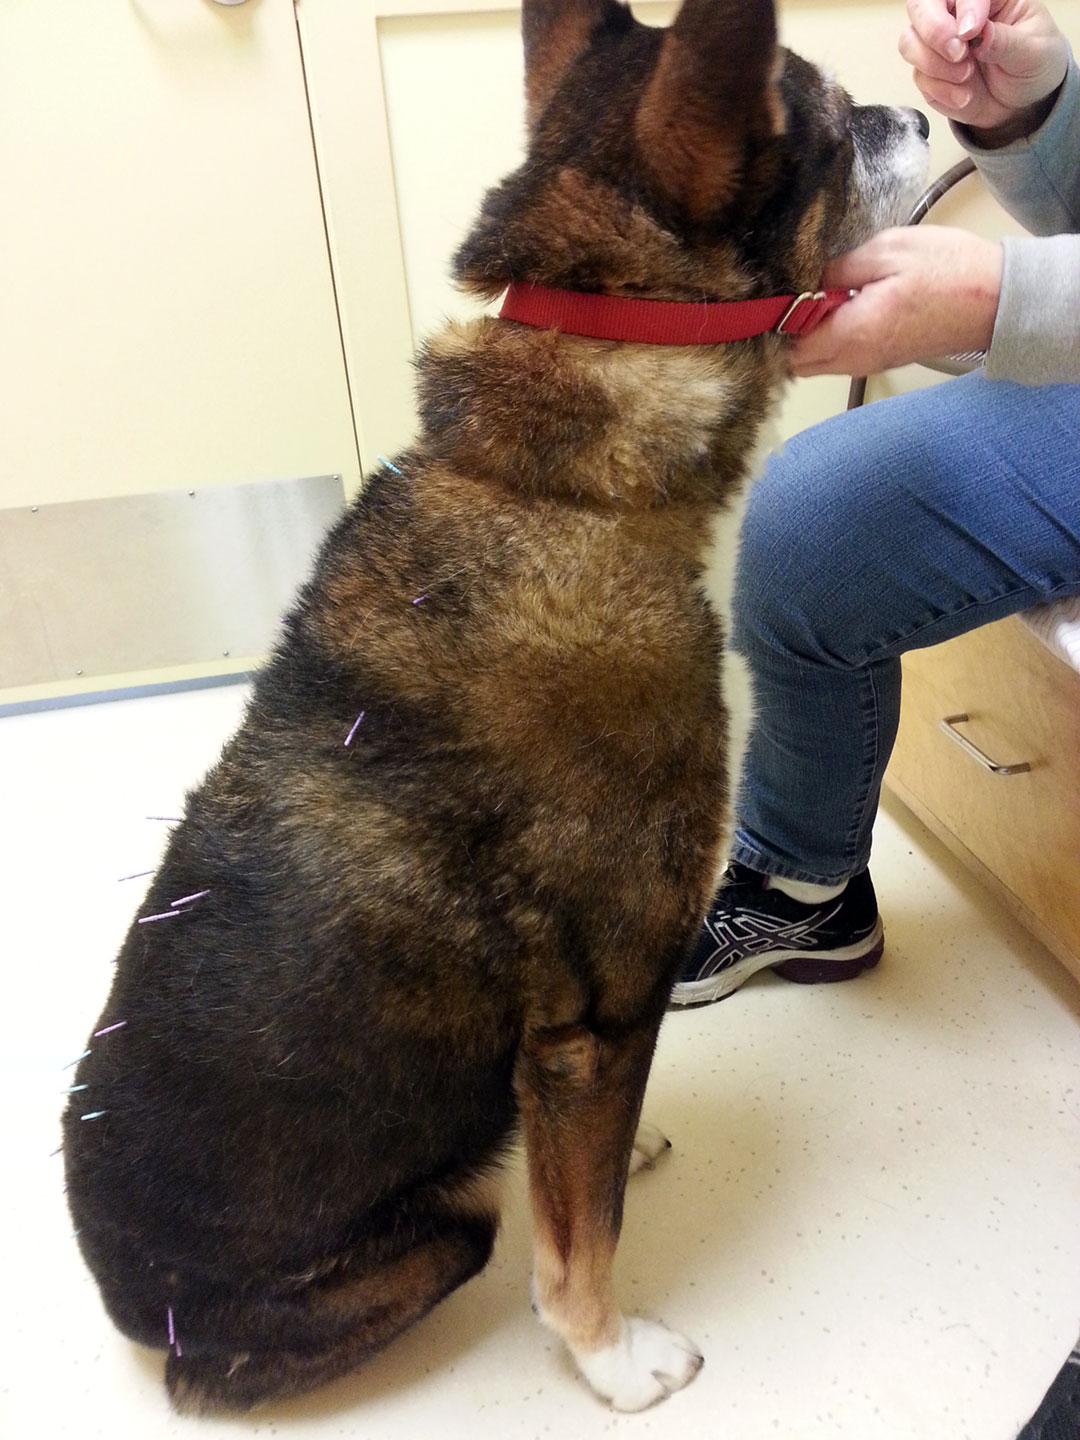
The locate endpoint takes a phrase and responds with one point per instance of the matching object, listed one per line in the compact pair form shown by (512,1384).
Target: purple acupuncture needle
(187,899)
(356,726)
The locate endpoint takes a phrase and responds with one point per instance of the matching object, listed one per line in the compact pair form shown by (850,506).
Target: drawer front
(1023,705)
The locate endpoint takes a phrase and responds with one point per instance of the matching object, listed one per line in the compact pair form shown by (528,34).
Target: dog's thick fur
(465,923)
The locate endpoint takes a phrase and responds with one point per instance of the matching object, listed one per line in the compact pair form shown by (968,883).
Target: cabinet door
(168,314)
(1003,693)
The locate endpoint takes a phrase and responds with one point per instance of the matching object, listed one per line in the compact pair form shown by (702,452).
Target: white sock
(803,891)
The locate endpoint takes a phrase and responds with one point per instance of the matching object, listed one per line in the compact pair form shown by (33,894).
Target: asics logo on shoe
(749,932)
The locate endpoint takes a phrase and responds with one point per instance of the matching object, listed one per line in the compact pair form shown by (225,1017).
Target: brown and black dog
(448,868)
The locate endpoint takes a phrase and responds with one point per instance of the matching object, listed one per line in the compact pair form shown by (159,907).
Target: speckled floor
(868,1220)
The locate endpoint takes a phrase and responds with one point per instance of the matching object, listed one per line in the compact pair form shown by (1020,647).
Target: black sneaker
(1058,1417)
(748,928)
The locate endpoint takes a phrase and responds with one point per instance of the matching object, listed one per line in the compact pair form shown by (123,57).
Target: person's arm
(932,292)
(1036,336)
(1035,175)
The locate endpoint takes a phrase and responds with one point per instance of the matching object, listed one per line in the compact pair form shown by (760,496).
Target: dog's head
(701,161)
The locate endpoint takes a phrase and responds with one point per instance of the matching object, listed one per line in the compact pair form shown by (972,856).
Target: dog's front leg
(580,1099)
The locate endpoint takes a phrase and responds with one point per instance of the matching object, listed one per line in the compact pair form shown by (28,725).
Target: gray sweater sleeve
(1037,330)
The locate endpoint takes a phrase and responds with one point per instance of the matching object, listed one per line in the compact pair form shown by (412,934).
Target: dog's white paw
(649,1145)
(646,1364)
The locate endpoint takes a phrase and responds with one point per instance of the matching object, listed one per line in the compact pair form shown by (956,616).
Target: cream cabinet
(988,756)
(168,329)
(168,312)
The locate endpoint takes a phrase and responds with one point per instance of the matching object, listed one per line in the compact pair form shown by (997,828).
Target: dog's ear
(712,89)
(555,32)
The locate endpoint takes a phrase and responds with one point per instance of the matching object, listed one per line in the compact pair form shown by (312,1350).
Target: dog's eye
(835,137)
(843,142)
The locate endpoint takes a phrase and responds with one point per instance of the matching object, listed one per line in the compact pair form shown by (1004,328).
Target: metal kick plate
(144,582)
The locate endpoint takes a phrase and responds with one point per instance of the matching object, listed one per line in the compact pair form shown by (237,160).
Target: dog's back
(449,866)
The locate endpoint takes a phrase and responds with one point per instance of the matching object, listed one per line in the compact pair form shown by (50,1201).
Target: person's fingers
(813,354)
(936,25)
(808,369)
(971,17)
(948,100)
(1009,47)
(875,260)
(928,62)
(828,350)
(1002,45)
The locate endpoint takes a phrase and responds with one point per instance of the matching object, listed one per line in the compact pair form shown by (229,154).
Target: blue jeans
(883,530)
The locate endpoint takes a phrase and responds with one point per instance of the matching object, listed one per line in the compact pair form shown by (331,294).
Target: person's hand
(989,64)
(921,293)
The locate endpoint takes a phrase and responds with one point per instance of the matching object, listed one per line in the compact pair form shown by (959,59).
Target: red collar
(666,322)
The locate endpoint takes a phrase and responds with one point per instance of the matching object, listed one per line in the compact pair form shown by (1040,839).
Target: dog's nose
(924,123)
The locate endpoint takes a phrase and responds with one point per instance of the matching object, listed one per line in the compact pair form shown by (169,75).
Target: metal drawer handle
(948,725)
